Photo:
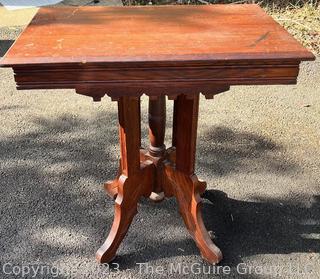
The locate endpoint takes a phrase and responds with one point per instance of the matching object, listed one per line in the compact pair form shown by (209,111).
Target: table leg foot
(184,184)
(187,190)
(134,177)
(129,191)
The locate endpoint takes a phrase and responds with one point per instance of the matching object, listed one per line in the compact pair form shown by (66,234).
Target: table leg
(157,149)
(184,184)
(133,180)
(169,172)
(157,126)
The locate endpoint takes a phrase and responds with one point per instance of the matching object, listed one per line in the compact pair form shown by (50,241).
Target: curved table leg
(129,192)
(135,179)
(172,172)
(187,191)
(180,177)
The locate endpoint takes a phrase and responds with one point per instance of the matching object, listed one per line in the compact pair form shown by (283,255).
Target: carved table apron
(173,51)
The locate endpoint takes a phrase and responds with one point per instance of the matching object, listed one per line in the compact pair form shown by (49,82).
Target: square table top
(68,35)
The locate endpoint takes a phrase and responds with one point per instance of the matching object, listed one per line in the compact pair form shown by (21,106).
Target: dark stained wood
(134,180)
(156,185)
(167,33)
(157,129)
(129,191)
(185,132)
(174,51)
(130,134)
(187,190)
(154,50)
(209,73)
(165,80)
(157,126)
(181,179)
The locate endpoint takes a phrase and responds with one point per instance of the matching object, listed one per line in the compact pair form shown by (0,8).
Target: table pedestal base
(169,171)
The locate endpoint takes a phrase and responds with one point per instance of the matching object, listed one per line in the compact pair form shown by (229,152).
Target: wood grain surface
(163,33)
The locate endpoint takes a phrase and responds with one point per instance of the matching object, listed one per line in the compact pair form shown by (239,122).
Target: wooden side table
(173,51)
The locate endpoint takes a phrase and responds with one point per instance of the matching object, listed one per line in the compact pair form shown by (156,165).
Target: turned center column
(157,149)
(157,126)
